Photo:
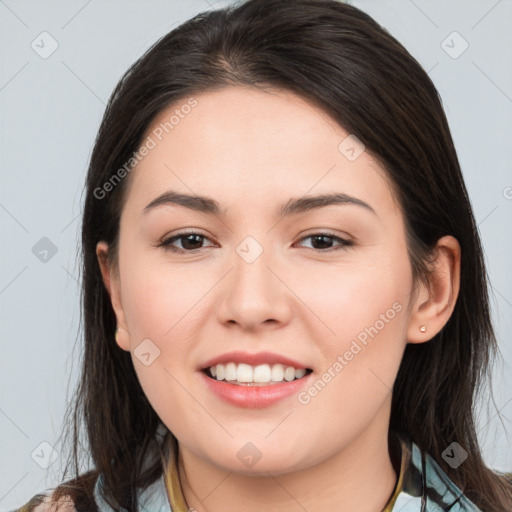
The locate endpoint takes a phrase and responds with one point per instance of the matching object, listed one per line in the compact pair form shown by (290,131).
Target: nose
(253,295)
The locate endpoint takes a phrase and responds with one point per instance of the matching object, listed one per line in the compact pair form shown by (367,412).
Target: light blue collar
(151,499)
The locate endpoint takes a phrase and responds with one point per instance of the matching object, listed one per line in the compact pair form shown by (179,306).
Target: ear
(112,284)
(436,299)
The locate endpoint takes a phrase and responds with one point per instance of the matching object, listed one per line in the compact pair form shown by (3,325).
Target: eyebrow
(292,207)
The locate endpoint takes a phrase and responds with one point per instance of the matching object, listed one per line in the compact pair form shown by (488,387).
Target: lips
(254,395)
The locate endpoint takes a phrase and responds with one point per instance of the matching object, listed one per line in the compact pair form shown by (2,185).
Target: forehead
(239,143)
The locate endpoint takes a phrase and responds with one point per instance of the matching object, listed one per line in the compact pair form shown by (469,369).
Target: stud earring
(423,328)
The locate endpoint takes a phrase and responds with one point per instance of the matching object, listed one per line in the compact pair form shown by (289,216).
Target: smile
(255,394)
(245,374)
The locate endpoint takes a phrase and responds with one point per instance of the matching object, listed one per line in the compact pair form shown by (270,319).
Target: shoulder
(46,503)
(75,495)
(65,504)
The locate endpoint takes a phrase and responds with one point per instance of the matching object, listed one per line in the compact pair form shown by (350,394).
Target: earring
(423,328)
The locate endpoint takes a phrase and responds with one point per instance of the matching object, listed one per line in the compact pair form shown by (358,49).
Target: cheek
(364,307)
(361,362)
(351,298)
(163,307)
(157,299)
(159,319)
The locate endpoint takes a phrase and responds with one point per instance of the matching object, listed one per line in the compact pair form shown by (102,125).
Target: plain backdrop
(60,62)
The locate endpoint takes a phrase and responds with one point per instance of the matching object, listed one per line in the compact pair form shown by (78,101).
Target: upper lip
(253,359)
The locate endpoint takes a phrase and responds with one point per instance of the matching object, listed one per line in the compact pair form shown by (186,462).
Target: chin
(273,462)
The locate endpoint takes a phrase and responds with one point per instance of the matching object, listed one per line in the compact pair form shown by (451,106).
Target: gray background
(50,111)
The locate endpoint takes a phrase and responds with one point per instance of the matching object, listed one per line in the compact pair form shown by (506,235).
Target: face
(328,286)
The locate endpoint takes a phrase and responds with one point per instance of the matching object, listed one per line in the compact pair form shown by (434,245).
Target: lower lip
(254,396)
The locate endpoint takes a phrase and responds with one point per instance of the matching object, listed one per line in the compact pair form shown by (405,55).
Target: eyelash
(343,244)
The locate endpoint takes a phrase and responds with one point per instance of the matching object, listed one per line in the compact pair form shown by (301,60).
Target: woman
(284,295)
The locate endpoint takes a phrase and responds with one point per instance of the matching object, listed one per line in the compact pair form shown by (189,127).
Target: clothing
(422,486)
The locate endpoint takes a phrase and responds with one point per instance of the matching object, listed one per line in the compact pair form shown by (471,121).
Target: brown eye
(189,241)
(324,242)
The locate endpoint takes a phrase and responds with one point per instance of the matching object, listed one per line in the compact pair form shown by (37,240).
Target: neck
(359,477)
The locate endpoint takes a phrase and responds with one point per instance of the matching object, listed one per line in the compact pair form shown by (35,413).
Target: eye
(190,241)
(323,242)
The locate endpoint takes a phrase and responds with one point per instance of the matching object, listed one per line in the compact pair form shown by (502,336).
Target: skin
(252,151)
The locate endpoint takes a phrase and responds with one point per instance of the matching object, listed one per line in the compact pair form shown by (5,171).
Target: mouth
(242,374)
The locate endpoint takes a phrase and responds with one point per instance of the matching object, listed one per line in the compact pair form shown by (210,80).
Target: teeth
(263,373)
(243,373)
(277,373)
(289,373)
(230,373)
(300,373)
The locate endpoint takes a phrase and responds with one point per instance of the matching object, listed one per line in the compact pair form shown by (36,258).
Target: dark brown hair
(338,57)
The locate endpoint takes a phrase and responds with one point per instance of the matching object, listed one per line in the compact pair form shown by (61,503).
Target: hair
(340,59)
